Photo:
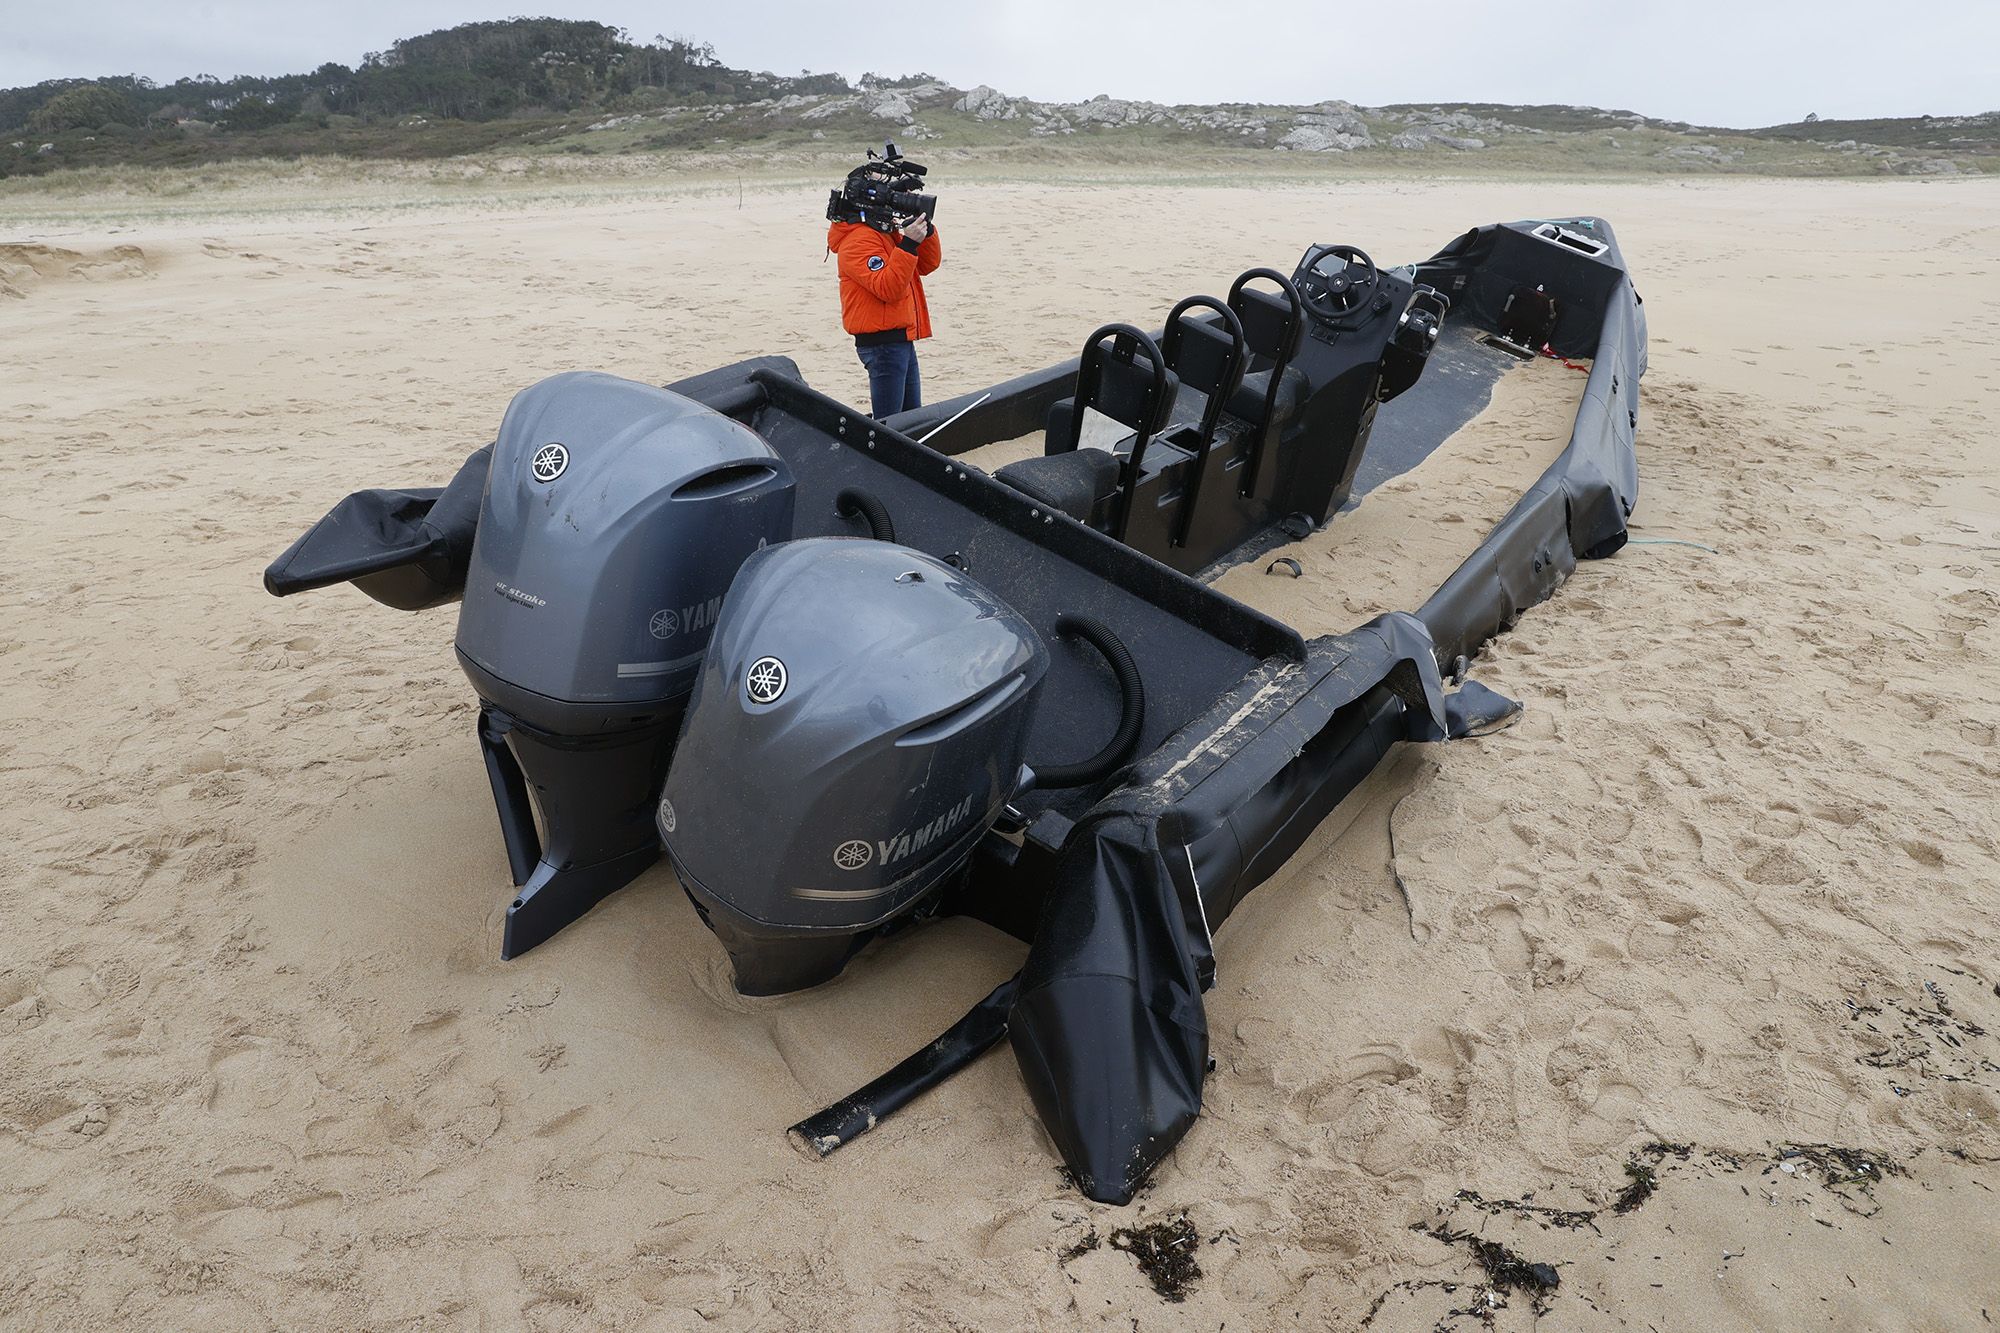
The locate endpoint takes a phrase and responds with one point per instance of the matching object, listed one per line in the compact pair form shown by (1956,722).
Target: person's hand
(917,228)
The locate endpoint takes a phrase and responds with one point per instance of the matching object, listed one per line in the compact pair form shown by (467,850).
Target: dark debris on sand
(1569,1219)
(1081,1248)
(1165,1253)
(1640,1182)
(1505,1270)
(1923,1038)
(1642,1173)
(1849,1174)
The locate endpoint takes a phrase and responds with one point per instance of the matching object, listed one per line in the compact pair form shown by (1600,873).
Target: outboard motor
(614,517)
(860,722)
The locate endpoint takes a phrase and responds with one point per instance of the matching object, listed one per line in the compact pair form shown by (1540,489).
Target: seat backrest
(1273,322)
(1210,355)
(1123,376)
(1124,393)
(1204,356)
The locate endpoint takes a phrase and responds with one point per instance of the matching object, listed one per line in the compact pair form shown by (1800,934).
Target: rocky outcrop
(989,104)
(1312,139)
(1330,127)
(1459,124)
(893,106)
(1424,138)
(1106,113)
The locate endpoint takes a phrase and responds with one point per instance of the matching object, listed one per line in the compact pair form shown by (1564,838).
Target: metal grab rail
(1291,334)
(1126,343)
(1219,394)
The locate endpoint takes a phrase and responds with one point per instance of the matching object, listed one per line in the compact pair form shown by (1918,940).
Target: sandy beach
(1731,884)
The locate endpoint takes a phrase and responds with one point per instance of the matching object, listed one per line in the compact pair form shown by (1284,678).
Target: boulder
(988,104)
(892,106)
(1337,118)
(1309,139)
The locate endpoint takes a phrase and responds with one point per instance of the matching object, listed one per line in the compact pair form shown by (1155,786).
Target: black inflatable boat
(848,681)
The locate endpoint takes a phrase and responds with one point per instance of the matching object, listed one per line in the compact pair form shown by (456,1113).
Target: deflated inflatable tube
(954,1049)
(405,548)
(1131,709)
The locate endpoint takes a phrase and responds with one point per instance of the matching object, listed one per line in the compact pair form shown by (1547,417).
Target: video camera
(882,192)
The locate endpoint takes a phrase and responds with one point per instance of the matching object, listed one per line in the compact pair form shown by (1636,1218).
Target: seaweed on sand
(1640,1182)
(1081,1248)
(1165,1253)
(1505,1270)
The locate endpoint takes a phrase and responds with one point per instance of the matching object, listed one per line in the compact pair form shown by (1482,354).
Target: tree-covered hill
(475,72)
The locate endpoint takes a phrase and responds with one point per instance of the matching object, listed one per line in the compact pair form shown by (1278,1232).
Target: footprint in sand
(1652,941)
(1506,942)
(1923,853)
(1613,1116)
(248,1076)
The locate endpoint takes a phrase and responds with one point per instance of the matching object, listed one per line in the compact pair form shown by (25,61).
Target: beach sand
(1731,883)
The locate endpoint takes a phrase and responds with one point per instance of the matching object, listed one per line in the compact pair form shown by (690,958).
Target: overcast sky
(1718,62)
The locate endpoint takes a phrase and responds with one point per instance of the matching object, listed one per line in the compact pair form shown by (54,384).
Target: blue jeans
(893,385)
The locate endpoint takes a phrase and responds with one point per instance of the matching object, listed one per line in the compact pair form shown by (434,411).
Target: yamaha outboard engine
(861,720)
(615,516)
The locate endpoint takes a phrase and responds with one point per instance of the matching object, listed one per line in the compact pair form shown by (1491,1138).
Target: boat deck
(1445,463)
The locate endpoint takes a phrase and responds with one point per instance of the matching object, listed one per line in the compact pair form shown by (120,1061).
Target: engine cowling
(614,517)
(860,721)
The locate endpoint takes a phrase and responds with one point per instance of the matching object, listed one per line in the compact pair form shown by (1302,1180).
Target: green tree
(83,108)
(257,113)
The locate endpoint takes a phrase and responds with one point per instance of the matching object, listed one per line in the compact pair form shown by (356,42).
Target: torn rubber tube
(1108,1027)
(955,1048)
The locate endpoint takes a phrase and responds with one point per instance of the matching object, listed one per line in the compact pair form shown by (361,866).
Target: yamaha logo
(669,821)
(549,462)
(765,681)
(664,624)
(853,854)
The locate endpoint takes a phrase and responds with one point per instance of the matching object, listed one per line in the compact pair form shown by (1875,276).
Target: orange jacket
(881,279)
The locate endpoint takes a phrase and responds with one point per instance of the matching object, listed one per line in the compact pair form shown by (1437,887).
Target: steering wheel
(1339,281)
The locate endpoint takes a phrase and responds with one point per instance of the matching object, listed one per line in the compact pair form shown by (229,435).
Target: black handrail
(1294,334)
(1127,341)
(1218,396)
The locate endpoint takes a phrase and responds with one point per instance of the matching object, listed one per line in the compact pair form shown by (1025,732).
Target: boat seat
(1071,483)
(1122,396)
(1121,375)
(1274,324)
(1248,402)
(1207,356)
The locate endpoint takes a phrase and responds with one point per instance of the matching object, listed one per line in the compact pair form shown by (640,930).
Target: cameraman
(882,303)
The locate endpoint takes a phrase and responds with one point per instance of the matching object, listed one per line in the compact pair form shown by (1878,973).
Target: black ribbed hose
(1131,708)
(853,501)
